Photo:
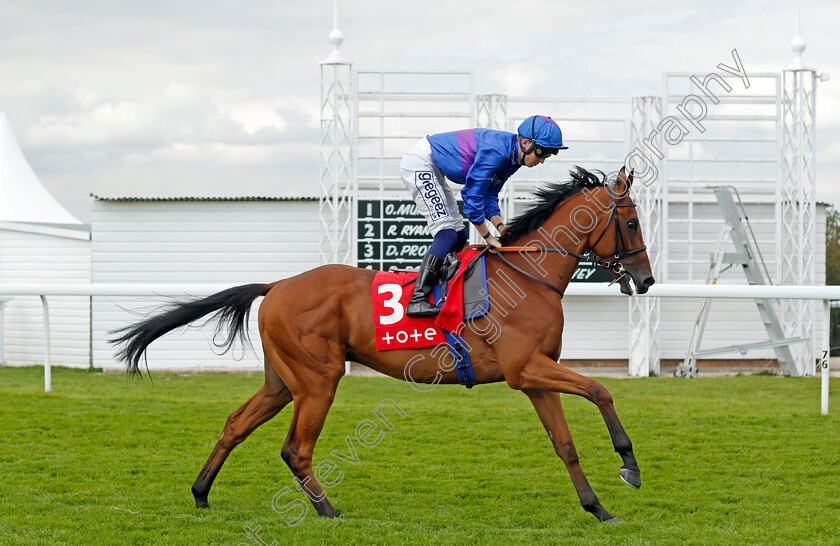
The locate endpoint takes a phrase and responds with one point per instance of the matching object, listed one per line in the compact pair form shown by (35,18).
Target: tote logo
(424,181)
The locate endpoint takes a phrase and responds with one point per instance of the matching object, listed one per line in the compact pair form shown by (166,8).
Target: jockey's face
(530,160)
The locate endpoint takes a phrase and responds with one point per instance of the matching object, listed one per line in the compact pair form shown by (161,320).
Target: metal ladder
(747,255)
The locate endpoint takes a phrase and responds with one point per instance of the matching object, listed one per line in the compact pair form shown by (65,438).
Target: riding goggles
(541,152)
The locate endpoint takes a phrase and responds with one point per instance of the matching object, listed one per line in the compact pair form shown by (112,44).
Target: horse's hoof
(611,520)
(632,478)
(327,511)
(201,503)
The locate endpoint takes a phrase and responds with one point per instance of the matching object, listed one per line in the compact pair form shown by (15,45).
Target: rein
(614,266)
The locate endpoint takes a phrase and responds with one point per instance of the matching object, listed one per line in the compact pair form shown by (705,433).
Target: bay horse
(310,324)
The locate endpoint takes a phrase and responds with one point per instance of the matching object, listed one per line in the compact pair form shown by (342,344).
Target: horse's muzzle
(643,287)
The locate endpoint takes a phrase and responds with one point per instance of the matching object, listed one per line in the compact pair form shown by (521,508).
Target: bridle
(615,265)
(619,238)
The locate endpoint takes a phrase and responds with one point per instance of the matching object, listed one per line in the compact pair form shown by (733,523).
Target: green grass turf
(731,460)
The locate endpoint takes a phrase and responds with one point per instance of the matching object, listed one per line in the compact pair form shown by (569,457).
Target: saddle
(475,295)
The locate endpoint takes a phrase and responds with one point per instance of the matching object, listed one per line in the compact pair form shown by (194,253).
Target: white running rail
(826,294)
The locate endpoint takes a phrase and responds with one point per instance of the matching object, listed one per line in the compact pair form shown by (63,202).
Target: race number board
(391,235)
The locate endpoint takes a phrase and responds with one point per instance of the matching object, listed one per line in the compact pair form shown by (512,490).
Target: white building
(229,241)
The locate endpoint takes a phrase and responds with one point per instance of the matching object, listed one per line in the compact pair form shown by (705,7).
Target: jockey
(481,160)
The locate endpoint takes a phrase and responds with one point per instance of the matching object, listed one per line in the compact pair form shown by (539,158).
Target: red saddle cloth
(390,293)
(393,329)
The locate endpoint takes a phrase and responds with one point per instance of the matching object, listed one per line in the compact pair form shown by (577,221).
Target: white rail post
(47,362)
(826,357)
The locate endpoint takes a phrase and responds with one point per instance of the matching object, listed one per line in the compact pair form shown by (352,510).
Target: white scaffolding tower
(337,177)
(796,203)
(649,196)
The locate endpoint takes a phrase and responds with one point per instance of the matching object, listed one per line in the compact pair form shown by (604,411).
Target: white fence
(824,293)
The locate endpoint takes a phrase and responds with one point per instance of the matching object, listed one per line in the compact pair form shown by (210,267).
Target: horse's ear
(628,182)
(624,177)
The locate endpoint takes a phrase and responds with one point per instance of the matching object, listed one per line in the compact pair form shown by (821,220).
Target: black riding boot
(419,305)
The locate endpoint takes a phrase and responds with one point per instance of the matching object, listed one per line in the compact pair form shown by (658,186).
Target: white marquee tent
(40,241)
(23,198)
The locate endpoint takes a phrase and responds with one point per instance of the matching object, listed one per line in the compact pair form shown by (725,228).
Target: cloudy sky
(220,98)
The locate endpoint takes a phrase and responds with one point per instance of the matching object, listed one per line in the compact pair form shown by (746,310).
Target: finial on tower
(797,45)
(336,39)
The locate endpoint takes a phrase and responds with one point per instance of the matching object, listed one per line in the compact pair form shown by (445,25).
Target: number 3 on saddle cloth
(460,297)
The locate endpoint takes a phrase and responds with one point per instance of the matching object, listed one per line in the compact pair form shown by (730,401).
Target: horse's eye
(632,225)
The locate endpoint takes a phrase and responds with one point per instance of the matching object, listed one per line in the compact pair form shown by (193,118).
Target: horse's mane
(548,198)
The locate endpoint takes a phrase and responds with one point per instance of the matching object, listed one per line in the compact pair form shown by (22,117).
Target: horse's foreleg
(265,404)
(543,373)
(307,421)
(550,411)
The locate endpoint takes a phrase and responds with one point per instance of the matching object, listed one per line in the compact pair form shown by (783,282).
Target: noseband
(590,256)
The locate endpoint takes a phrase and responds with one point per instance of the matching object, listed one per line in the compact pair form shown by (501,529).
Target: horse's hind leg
(265,404)
(307,421)
(550,411)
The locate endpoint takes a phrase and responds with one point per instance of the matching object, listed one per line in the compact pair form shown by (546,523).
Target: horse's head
(587,214)
(617,238)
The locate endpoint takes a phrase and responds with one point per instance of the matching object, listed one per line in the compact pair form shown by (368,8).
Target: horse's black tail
(232,307)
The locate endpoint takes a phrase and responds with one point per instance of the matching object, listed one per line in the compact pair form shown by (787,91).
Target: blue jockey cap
(543,131)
